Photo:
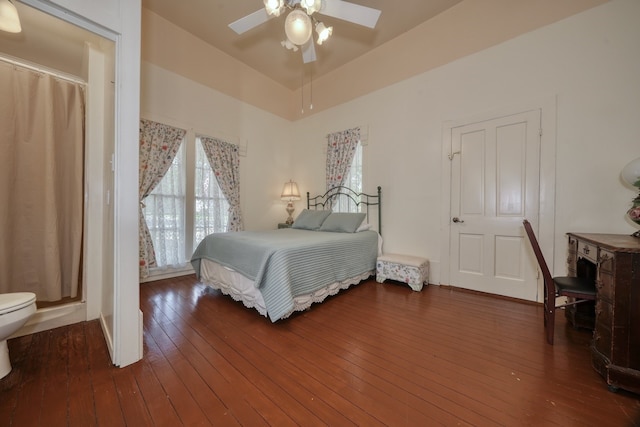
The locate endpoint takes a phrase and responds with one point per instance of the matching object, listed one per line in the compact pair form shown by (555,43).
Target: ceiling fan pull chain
(311,91)
(302,93)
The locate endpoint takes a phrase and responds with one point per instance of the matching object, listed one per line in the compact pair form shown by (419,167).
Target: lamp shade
(290,191)
(298,27)
(323,32)
(311,6)
(273,7)
(631,173)
(9,20)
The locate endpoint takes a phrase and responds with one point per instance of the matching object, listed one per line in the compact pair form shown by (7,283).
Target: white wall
(590,61)
(170,98)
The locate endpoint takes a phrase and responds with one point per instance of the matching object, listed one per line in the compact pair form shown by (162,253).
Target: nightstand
(284,225)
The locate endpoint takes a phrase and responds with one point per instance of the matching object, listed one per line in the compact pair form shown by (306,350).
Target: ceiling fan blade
(361,15)
(309,51)
(250,21)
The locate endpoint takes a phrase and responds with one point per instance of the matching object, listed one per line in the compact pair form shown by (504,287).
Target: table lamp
(290,193)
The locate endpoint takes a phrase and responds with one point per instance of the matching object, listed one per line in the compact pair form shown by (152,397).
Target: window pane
(212,208)
(164,213)
(353,180)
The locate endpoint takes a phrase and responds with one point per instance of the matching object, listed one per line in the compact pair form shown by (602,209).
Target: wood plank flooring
(376,354)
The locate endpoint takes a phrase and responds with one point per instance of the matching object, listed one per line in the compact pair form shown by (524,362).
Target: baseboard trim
(53,317)
(107,336)
(487,294)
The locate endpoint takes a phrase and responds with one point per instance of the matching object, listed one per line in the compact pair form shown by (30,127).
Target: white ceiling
(260,47)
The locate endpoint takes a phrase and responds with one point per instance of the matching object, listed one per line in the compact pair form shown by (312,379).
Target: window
(180,212)
(211,208)
(165,212)
(353,180)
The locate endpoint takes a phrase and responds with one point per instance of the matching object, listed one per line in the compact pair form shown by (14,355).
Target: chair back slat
(546,274)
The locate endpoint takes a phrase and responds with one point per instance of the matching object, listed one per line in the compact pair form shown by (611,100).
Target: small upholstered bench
(412,270)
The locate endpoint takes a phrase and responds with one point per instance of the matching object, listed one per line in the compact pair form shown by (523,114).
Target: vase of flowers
(634,214)
(631,175)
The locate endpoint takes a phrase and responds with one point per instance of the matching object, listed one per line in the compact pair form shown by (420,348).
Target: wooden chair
(580,288)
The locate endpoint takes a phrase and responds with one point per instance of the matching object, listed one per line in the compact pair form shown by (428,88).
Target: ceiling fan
(300,21)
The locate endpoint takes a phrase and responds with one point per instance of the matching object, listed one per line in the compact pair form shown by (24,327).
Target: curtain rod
(364,129)
(26,65)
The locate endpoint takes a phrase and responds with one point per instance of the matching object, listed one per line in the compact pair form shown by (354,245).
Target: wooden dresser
(615,347)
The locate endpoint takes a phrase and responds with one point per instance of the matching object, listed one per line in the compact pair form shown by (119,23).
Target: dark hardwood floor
(377,354)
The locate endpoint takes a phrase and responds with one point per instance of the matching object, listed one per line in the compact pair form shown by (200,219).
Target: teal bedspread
(287,263)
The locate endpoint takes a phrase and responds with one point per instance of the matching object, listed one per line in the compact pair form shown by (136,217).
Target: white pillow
(363,227)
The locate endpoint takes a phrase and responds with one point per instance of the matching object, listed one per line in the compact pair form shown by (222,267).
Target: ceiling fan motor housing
(298,27)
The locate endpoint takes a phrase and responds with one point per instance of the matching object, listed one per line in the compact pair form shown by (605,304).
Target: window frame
(190,141)
(345,200)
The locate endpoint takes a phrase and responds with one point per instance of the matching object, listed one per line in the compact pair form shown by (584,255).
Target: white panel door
(494,185)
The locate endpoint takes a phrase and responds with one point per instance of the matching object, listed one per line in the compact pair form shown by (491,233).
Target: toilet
(15,309)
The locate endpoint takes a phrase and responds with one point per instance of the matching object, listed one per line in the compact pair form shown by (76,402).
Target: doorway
(495,174)
(51,46)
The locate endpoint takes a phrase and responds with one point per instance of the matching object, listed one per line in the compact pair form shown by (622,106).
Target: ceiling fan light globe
(298,27)
(323,32)
(273,7)
(311,6)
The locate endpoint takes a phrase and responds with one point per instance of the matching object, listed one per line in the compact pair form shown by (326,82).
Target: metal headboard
(368,200)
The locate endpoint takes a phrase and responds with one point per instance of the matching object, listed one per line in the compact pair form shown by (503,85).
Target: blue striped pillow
(343,222)
(310,219)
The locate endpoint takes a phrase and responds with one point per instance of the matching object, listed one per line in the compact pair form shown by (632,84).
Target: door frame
(546,214)
(118,21)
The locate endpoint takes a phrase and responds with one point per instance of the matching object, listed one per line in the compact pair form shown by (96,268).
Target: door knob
(456,219)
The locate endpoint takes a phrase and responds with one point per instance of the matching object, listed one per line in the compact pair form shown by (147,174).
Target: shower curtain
(41,183)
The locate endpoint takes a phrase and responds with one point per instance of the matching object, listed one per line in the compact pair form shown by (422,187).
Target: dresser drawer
(588,251)
(606,261)
(605,282)
(571,266)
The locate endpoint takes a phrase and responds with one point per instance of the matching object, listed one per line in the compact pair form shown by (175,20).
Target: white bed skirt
(240,288)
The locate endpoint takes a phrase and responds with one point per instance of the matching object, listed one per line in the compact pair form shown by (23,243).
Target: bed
(279,272)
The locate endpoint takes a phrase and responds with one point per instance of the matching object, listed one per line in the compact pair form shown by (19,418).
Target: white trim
(126,339)
(71,17)
(107,334)
(445,202)
(167,273)
(53,317)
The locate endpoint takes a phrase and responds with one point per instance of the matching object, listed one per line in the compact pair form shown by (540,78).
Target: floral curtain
(225,162)
(159,144)
(340,150)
